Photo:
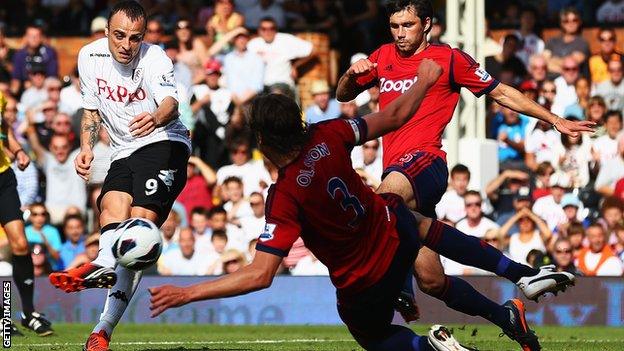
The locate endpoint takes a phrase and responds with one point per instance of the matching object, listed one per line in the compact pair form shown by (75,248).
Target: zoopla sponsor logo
(387,85)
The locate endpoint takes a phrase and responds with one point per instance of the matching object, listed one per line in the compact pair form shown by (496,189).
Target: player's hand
(361,67)
(429,71)
(82,163)
(22,159)
(143,124)
(573,128)
(165,297)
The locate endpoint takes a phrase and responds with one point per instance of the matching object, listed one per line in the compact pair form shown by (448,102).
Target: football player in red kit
(368,241)
(414,163)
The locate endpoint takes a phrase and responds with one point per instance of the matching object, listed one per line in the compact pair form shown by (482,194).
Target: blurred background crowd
(556,200)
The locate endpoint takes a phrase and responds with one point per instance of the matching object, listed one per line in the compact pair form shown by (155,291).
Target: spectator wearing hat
(550,207)
(244,70)
(232,260)
(35,53)
(605,148)
(612,89)
(598,259)
(213,108)
(282,53)
(598,64)
(192,50)
(98,27)
(91,244)
(324,106)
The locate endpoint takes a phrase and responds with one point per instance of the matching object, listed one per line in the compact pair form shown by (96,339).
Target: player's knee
(431,284)
(19,245)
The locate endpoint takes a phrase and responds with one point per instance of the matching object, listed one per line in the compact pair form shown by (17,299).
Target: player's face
(124,37)
(407,30)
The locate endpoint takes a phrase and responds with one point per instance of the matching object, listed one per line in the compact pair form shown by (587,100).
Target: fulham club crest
(137,73)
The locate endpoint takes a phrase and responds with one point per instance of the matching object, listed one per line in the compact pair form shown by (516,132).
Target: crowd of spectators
(556,200)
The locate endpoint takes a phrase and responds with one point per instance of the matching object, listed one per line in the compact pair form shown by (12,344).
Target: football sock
(472,251)
(105,256)
(401,338)
(118,298)
(461,296)
(25,280)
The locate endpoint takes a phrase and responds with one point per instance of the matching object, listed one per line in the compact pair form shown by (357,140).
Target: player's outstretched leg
(116,303)
(96,274)
(472,251)
(24,279)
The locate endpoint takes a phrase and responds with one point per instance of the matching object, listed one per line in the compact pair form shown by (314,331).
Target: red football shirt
(322,199)
(395,74)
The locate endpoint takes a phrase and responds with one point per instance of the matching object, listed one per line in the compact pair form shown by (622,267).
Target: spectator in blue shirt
(510,136)
(324,107)
(40,232)
(34,52)
(243,70)
(74,230)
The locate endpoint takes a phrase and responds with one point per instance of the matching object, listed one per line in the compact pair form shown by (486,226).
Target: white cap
(98,24)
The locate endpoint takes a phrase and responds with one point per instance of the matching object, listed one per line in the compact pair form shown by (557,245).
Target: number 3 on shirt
(336,184)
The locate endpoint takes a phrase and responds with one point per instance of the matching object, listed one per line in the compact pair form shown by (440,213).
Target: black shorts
(368,314)
(153,175)
(10,203)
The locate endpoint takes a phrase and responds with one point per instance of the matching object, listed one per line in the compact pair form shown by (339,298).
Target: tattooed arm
(89,131)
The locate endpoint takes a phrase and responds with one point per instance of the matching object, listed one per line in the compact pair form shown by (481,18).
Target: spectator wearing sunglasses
(563,256)
(475,223)
(569,43)
(598,63)
(39,231)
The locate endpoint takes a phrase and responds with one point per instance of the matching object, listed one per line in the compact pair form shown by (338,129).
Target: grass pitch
(296,338)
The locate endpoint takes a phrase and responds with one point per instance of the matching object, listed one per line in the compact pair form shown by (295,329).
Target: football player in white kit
(128,86)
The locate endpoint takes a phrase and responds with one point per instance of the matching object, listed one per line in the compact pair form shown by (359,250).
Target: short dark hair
(473,193)
(72,217)
(199,210)
(569,10)
(459,168)
(613,113)
(130,8)
(277,123)
(216,210)
(576,228)
(219,233)
(233,179)
(423,8)
(268,19)
(512,37)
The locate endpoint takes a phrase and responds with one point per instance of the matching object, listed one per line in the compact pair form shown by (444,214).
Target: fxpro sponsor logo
(401,86)
(119,93)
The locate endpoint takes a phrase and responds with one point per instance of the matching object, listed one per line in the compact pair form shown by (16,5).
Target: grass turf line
(299,338)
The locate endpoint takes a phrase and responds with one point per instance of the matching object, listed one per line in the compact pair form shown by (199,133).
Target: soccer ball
(138,244)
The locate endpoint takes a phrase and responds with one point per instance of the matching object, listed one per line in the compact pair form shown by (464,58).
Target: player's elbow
(262,279)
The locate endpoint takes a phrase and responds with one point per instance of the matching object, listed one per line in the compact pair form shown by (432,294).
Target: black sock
(25,280)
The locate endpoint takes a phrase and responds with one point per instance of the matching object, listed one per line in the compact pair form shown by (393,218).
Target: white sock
(118,298)
(105,256)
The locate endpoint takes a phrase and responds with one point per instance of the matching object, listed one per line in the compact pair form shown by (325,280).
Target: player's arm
(144,123)
(348,87)
(89,132)
(257,275)
(15,148)
(515,100)
(35,144)
(403,108)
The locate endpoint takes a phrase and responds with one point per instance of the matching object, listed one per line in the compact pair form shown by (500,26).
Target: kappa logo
(267,234)
(119,295)
(167,176)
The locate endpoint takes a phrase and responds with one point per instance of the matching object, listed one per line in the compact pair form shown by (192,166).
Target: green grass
(210,337)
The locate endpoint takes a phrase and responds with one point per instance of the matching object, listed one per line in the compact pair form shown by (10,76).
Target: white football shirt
(121,92)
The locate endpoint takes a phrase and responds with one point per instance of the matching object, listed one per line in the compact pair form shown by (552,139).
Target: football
(138,243)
